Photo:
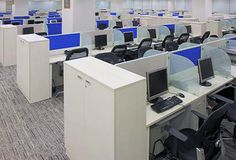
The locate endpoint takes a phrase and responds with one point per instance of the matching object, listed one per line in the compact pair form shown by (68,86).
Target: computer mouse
(181,95)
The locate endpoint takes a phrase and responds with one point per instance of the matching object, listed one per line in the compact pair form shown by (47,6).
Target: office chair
(142,51)
(183,144)
(28,30)
(214,36)
(120,51)
(205,36)
(145,43)
(108,57)
(171,46)
(167,39)
(71,55)
(135,23)
(183,38)
(42,34)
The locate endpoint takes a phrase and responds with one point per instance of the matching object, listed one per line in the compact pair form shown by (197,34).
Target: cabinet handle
(79,77)
(88,83)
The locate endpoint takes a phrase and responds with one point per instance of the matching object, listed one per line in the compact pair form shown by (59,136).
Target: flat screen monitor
(128,37)
(96,14)
(189,29)
(206,72)
(100,41)
(28,30)
(157,83)
(152,33)
(119,24)
(30,21)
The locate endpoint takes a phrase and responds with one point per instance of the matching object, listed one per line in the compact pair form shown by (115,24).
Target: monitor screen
(28,30)
(128,37)
(96,13)
(205,69)
(100,40)
(157,83)
(152,33)
(189,29)
(119,24)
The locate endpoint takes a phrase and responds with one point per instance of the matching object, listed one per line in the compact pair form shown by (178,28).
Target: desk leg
(148,142)
(50,80)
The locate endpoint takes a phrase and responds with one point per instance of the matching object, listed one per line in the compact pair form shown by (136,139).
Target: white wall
(45,6)
(3,6)
(183,5)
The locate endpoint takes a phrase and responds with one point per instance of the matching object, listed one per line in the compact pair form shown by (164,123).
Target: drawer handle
(79,77)
(88,83)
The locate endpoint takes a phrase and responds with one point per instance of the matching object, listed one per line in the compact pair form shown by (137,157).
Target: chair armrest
(176,133)
(199,115)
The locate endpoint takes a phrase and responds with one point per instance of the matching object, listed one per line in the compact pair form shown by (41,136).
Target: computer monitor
(152,33)
(96,14)
(128,37)
(100,41)
(28,30)
(189,29)
(206,72)
(135,23)
(119,24)
(38,22)
(157,84)
(30,21)
(102,26)
(15,23)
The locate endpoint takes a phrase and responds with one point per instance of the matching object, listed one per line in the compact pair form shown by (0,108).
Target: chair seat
(183,150)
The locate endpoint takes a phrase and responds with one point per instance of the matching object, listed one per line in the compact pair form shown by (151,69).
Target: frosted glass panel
(210,39)
(180,29)
(187,45)
(143,33)
(86,40)
(118,37)
(220,60)
(183,74)
(163,32)
(151,52)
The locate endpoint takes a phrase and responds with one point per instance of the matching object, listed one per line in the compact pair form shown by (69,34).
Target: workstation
(117,80)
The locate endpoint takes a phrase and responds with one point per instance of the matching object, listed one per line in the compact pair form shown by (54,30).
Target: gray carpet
(28,131)
(35,131)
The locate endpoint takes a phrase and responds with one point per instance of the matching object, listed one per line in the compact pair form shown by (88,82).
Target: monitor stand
(100,48)
(157,100)
(206,84)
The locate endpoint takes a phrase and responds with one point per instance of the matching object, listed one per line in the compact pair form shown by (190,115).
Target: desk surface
(152,117)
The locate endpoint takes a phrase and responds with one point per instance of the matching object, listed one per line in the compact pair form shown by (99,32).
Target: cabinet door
(99,119)
(23,67)
(74,113)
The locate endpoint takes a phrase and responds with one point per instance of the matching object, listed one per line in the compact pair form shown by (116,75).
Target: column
(170,5)
(3,6)
(20,8)
(117,5)
(202,9)
(79,16)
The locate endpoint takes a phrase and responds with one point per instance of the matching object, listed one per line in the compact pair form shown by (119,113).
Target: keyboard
(166,104)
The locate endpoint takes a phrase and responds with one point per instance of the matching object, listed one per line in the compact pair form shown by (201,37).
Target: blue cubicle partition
(64,41)
(233,38)
(54,16)
(192,54)
(21,17)
(54,28)
(59,19)
(175,14)
(113,13)
(181,16)
(53,13)
(21,21)
(134,30)
(171,27)
(160,14)
(99,22)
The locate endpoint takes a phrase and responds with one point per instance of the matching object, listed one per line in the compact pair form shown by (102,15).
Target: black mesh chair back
(209,132)
(119,50)
(183,38)
(76,53)
(147,42)
(143,50)
(214,36)
(205,36)
(108,57)
(171,46)
(168,38)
